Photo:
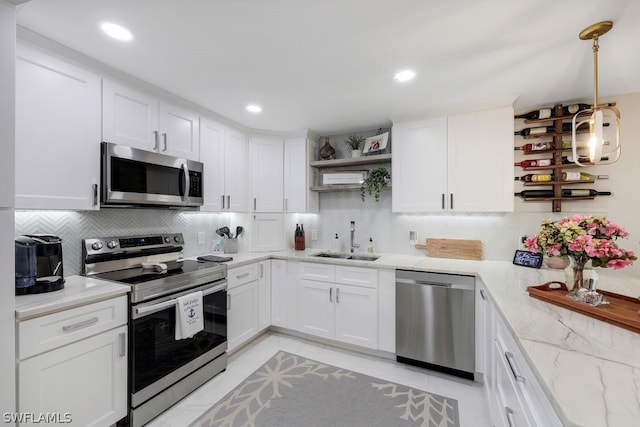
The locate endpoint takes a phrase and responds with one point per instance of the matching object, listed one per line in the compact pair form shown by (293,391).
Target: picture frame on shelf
(376,144)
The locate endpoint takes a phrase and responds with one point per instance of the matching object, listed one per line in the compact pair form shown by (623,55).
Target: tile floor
(472,405)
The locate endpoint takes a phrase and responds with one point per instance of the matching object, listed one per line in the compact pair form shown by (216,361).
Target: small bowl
(556,262)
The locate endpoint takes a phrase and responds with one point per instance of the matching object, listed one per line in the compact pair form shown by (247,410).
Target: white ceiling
(328,65)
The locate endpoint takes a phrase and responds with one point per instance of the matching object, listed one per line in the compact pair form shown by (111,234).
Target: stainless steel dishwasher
(435,321)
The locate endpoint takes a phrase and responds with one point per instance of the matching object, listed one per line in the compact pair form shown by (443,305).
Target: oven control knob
(177,239)
(112,244)
(96,246)
(167,239)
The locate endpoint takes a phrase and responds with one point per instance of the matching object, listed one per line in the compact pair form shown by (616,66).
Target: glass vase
(584,288)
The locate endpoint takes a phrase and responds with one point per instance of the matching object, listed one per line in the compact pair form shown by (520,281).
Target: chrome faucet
(353,232)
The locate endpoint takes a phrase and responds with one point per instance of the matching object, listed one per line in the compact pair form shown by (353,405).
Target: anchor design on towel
(192,313)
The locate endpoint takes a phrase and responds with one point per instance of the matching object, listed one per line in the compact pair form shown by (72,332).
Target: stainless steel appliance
(435,321)
(38,264)
(162,370)
(130,176)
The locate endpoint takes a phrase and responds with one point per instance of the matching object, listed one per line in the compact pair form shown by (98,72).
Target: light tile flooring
(472,404)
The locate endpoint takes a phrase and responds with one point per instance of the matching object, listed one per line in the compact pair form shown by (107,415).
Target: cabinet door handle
(222,201)
(80,325)
(123,344)
(330,294)
(156,139)
(164,138)
(337,295)
(261,270)
(442,201)
(451,201)
(509,412)
(95,194)
(254,203)
(228,301)
(228,202)
(483,295)
(512,364)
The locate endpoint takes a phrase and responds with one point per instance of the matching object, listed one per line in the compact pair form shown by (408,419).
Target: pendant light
(597,115)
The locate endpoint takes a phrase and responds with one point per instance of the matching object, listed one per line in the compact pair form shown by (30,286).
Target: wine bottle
(543,113)
(535,177)
(581,176)
(541,130)
(566,192)
(535,146)
(534,163)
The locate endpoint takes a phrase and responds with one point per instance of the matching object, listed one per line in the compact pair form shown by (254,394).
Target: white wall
(7,137)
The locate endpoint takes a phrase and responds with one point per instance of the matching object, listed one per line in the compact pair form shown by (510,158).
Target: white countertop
(589,369)
(77,291)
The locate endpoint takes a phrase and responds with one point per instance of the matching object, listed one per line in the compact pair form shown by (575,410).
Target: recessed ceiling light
(116,31)
(404,76)
(252,108)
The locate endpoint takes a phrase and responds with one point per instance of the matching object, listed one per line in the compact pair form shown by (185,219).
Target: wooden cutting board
(452,248)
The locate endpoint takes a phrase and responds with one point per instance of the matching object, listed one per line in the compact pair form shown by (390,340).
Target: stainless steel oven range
(163,369)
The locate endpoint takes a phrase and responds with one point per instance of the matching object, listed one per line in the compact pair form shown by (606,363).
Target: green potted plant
(375,182)
(353,142)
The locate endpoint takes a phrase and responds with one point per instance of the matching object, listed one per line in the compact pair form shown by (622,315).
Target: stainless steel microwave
(133,177)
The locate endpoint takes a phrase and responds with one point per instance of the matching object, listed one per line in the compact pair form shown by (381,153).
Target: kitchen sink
(355,257)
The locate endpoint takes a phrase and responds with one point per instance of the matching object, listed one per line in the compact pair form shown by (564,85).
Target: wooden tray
(623,311)
(452,248)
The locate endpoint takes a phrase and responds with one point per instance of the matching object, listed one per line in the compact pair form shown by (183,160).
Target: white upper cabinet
(480,157)
(267,173)
(419,173)
(137,119)
(298,176)
(57,149)
(225,154)
(462,163)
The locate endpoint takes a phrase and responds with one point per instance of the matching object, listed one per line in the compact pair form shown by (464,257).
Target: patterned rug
(290,390)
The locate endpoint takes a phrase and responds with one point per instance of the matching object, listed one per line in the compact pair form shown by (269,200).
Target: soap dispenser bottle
(337,246)
(371,248)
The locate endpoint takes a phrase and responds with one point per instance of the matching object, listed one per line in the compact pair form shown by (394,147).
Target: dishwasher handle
(435,284)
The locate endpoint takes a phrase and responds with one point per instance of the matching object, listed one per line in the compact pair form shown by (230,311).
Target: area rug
(290,390)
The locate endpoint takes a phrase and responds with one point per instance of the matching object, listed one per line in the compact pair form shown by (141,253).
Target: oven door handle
(166,304)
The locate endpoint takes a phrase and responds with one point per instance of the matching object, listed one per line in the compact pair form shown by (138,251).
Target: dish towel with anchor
(189,317)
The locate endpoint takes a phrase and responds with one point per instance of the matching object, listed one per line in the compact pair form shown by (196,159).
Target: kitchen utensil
(453,248)
(225,231)
(219,232)
(239,230)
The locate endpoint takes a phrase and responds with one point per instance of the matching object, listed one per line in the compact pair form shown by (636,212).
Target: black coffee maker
(38,264)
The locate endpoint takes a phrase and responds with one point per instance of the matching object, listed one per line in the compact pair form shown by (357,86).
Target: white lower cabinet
(84,381)
(329,308)
(242,305)
(515,396)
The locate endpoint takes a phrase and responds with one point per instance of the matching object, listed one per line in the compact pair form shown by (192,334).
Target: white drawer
(45,333)
(357,276)
(316,271)
(241,275)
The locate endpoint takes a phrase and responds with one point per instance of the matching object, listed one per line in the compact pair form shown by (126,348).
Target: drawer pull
(240,276)
(512,364)
(483,295)
(509,412)
(123,344)
(80,325)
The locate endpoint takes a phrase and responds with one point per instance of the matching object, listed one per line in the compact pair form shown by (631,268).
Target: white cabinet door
(356,315)
(480,155)
(264,294)
(279,292)
(419,175)
(316,308)
(179,132)
(57,147)
(236,170)
(212,156)
(297,179)
(267,232)
(56,381)
(266,174)
(225,154)
(129,117)
(242,313)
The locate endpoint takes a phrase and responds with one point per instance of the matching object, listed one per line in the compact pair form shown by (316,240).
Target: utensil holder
(230,246)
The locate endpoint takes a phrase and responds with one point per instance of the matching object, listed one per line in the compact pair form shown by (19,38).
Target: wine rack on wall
(552,143)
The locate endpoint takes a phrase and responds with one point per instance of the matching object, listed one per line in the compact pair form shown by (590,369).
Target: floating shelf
(364,160)
(339,187)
